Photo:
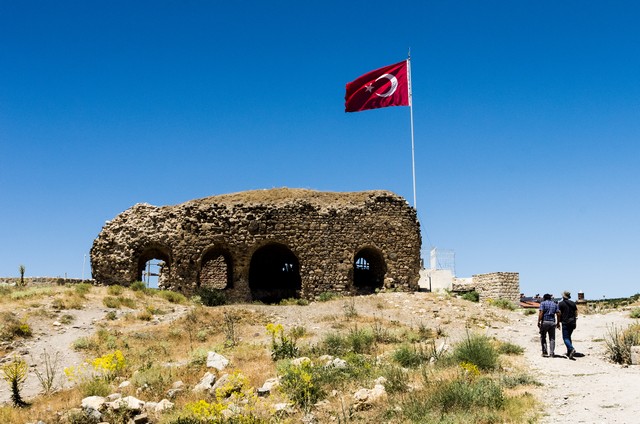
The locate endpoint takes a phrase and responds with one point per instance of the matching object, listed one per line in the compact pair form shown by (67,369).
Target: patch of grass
(293,301)
(70,300)
(172,297)
(30,293)
(411,356)
(11,327)
(502,304)
(472,296)
(211,297)
(477,350)
(82,289)
(66,319)
(115,290)
(619,342)
(464,394)
(510,381)
(327,296)
(118,302)
(349,309)
(508,348)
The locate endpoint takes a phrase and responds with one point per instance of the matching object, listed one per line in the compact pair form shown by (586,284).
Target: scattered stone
(217,361)
(268,385)
(129,402)
(299,361)
(365,398)
(93,403)
(206,382)
(164,405)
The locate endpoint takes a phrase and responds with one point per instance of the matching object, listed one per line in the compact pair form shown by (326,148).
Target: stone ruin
(267,245)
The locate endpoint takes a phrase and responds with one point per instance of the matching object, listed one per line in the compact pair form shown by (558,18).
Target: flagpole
(413,156)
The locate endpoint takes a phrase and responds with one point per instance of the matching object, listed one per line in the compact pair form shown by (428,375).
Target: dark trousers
(567,330)
(548,327)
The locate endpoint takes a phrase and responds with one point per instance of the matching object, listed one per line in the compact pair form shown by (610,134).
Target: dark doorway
(215,272)
(368,271)
(274,274)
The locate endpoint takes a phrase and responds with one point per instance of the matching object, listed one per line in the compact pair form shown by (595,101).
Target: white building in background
(441,273)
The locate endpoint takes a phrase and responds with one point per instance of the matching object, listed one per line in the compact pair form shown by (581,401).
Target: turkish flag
(388,86)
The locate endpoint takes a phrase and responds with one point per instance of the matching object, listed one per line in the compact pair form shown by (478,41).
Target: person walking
(568,316)
(548,321)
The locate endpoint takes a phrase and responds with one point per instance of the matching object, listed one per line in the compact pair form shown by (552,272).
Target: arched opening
(153,266)
(274,274)
(215,271)
(368,271)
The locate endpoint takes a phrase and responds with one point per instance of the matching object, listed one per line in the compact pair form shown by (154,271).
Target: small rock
(206,382)
(217,361)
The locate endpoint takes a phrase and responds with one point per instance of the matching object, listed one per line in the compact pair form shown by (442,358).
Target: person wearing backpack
(568,317)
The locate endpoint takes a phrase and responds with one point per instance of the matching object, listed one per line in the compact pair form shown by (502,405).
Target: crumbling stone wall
(495,285)
(282,242)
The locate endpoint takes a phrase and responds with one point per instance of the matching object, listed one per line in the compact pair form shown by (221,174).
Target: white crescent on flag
(392,89)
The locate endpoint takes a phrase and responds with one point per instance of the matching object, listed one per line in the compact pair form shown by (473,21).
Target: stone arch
(154,251)
(216,269)
(274,274)
(369,270)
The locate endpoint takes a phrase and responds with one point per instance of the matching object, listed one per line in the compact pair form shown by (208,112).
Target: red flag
(388,86)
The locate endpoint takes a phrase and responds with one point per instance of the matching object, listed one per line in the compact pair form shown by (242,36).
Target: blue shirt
(549,309)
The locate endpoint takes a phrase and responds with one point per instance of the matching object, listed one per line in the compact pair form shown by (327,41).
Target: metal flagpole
(413,156)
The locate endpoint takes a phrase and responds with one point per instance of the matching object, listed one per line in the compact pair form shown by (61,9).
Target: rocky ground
(589,389)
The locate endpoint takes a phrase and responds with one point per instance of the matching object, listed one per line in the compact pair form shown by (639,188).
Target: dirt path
(589,389)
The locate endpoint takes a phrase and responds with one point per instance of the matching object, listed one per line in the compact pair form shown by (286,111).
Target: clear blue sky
(527,123)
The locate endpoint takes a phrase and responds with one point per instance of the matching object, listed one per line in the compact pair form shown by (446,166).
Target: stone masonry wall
(498,285)
(325,232)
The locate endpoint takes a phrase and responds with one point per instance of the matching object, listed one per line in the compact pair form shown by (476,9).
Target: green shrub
(327,296)
(300,384)
(396,380)
(333,344)
(508,348)
(472,296)
(360,341)
(211,297)
(635,313)
(283,346)
(464,394)
(410,356)
(477,350)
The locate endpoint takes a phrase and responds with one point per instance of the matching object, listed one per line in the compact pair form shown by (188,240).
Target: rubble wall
(325,231)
